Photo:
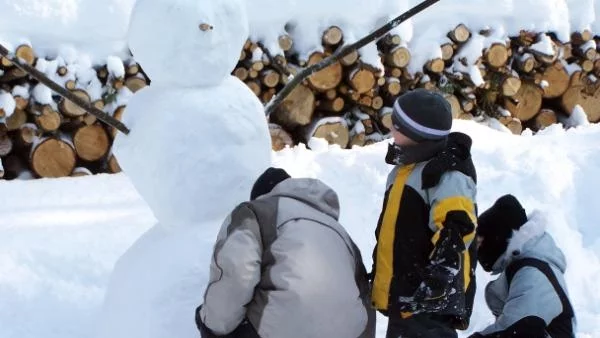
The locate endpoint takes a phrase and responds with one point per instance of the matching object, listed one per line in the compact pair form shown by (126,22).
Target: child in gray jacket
(529,298)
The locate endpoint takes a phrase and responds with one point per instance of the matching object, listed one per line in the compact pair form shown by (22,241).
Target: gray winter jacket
(531,294)
(303,284)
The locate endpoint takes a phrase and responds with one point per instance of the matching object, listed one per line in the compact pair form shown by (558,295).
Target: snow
(115,67)
(577,118)
(21,91)
(59,239)
(545,46)
(7,103)
(180,53)
(42,94)
(68,27)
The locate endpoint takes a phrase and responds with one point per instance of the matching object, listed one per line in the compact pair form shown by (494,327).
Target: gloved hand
(433,293)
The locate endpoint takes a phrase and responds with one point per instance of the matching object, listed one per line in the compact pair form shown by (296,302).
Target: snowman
(198,140)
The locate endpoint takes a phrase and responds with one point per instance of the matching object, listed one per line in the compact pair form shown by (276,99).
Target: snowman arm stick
(42,78)
(343,51)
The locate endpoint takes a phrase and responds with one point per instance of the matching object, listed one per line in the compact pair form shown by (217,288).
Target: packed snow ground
(59,239)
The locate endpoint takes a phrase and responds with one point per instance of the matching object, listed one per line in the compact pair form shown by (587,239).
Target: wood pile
(525,81)
(531,81)
(44,135)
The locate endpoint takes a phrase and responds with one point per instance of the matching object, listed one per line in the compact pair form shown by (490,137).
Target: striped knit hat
(422,115)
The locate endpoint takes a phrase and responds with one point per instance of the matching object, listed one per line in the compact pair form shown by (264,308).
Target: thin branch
(42,78)
(343,51)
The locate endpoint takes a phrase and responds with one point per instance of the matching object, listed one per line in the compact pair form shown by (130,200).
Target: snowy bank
(60,238)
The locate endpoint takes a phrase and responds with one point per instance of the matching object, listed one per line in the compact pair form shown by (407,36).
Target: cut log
(393,72)
(447,51)
(27,135)
(135,83)
(332,36)
(331,94)
(16,120)
(547,59)
(112,165)
(241,73)
(496,55)
(333,129)
(468,105)
(91,142)
(26,54)
(579,38)
(5,63)
(526,103)
(435,66)
(525,63)
(335,106)
(252,74)
(21,103)
(392,86)
(270,78)
(13,75)
(49,120)
(510,85)
(545,118)
(285,42)
(350,59)
(81,171)
(377,102)
(118,115)
(460,34)
(365,101)
(6,143)
(102,74)
(327,78)
(70,109)
(586,65)
(555,80)
(297,109)
(62,71)
(133,69)
(118,84)
(513,124)
(349,93)
(357,135)
(267,95)
(361,79)
(584,94)
(399,57)
(71,85)
(280,139)
(392,39)
(454,104)
(586,51)
(254,87)
(466,116)
(385,117)
(53,157)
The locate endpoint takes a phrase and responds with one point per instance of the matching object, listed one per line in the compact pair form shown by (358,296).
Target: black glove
(433,295)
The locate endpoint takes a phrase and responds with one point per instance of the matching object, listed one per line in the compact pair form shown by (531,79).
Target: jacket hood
(310,191)
(532,241)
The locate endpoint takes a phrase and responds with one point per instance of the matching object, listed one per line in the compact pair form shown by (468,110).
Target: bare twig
(42,78)
(343,51)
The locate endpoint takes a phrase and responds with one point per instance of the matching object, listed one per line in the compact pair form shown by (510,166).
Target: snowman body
(198,141)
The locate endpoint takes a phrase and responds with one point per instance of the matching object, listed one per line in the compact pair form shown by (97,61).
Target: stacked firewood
(526,81)
(531,81)
(44,135)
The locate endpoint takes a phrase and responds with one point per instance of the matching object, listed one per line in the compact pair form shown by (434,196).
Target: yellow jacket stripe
(440,210)
(385,241)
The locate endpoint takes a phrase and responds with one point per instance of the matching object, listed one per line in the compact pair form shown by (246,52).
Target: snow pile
(86,25)
(97,28)
(60,238)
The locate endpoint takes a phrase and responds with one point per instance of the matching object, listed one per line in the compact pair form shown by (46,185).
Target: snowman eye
(205,27)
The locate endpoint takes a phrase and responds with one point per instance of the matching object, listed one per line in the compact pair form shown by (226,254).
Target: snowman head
(188,43)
